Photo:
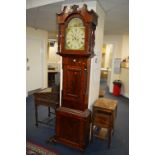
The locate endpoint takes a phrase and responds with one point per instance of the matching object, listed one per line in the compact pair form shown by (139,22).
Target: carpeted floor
(120,141)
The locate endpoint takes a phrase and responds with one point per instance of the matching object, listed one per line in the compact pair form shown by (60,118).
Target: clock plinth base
(73,127)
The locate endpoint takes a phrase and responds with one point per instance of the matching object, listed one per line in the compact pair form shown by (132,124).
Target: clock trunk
(75,82)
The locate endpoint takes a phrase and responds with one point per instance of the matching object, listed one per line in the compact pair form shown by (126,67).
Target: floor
(120,140)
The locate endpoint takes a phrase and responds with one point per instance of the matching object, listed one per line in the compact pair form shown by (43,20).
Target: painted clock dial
(75,35)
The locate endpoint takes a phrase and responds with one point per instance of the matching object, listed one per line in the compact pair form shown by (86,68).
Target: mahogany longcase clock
(76,37)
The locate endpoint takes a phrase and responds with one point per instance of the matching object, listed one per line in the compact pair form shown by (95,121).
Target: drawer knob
(74,60)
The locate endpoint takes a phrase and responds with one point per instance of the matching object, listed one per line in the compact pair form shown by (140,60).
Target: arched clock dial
(75,35)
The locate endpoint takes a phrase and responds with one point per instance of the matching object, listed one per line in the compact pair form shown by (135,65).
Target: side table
(103,116)
(46,97)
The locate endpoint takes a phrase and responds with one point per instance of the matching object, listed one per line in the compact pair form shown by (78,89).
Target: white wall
(37,3)
(124,77)
(125,46)
(116,40)
(54,60)
(52,56)
(108,55)
(95,61)
(120,50)
(42,36)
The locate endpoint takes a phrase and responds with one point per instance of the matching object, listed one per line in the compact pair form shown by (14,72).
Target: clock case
(89,19)
(73,118)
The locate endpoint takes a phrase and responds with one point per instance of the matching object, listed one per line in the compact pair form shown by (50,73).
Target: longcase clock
(76,37)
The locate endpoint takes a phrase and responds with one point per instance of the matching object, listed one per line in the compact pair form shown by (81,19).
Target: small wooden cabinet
(103,116)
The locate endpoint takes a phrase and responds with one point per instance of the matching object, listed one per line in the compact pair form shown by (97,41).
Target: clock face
(75,35)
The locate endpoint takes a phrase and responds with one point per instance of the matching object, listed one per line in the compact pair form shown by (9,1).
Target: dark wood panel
(75,82)
(73,127)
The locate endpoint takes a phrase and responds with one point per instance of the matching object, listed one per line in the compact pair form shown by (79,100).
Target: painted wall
(125,46)
(96,60)
(124,77)
(116,40)
(42,37)
(34,3)
(54,60)
(108,56)
(52,56)
(120,50)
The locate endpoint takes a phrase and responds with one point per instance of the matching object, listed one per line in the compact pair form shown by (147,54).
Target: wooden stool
(103,116)
(47,97)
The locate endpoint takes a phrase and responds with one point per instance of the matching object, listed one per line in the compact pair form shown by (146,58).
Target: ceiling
(43,15)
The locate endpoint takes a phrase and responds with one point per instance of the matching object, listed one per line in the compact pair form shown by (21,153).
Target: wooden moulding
(89,16)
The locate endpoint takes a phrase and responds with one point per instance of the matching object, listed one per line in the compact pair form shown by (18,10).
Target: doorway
(34,64)
(106,64)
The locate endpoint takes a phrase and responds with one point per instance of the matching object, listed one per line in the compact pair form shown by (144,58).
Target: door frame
(42,46)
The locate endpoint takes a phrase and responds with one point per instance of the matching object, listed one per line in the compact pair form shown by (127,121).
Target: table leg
(91,134)
(113,120)
(92,129)
(116,111)
(49,112)
(36,114)
(109,138)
